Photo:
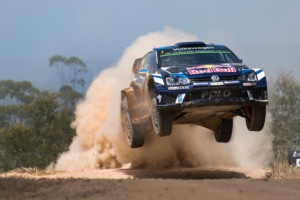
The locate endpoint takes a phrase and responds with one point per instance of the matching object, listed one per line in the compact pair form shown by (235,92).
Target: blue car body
(197,83)
(231,88)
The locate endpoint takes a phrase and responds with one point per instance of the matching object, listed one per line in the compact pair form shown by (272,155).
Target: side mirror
(241,60)
(136,65)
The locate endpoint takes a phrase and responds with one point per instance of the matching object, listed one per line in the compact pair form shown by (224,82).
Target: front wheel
(255,119)
(161,121)
(224,132)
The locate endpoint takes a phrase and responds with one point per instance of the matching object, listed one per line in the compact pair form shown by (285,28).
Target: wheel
(134,132)
(255,119)
(161,121)
(224,132)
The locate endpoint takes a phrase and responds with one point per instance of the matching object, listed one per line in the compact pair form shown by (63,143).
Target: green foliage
(35,126)
(34,132)
(17,92)
(285,109)
(18,145)
(69,96)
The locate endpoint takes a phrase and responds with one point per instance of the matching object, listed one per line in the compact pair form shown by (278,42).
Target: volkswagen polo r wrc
(192,83)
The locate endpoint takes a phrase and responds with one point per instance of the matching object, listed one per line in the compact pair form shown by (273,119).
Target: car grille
(221,93)
(169,98)
(222,78)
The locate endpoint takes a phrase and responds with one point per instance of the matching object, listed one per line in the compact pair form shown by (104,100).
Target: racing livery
(192,83)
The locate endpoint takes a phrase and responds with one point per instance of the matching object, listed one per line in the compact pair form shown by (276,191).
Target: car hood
(206,70)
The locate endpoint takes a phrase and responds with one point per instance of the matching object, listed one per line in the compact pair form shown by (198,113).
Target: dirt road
(196,183)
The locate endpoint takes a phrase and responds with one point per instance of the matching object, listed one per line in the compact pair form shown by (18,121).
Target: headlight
(251,76)
(175,80)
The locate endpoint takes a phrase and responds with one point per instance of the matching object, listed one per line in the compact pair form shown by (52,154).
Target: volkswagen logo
(215,78)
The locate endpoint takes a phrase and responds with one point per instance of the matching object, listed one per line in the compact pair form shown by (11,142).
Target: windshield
(192,56)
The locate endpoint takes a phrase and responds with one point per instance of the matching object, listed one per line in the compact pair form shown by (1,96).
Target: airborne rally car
(192,83)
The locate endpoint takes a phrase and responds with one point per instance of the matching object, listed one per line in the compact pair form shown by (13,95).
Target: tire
(161,121)
(134,132)
(223,134)
(256,118)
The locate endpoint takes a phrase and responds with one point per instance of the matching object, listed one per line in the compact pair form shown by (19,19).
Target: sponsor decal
(211,70)
(201,83)
(249,84)
(193,48)
(216,83)
(179,88)
(231,82)
(208,66)
(180,98)
(200,71)
(215,94)
(231,69)
(184,52)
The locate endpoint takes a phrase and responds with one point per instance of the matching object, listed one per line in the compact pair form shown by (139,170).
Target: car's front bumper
(211,96)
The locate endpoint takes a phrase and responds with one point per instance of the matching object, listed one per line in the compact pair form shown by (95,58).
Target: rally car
(192,83)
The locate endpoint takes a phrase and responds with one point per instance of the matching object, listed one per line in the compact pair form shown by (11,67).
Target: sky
(264,33)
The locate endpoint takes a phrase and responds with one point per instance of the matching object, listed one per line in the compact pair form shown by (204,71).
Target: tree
(18,147)
(70,70)
(6,88)
(58,61)
(46,133)
(24,92)
(15,96)
(35,126)
(285,109)
(77,68)
(69,96)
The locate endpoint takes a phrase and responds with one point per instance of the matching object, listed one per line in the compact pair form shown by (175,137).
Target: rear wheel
(255,119)
(224,132)
(161,121)
(134,132)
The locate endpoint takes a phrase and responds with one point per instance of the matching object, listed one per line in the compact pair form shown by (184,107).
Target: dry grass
(281,169)
(33,171)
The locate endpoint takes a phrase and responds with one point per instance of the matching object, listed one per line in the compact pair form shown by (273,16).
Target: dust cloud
(100,142)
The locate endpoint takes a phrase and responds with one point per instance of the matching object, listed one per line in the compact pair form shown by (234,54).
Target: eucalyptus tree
(70,71)
(285,108)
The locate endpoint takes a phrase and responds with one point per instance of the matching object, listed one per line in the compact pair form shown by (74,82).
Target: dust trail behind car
(100,142)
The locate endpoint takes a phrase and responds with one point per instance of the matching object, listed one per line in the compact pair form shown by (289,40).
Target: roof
(185,44)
